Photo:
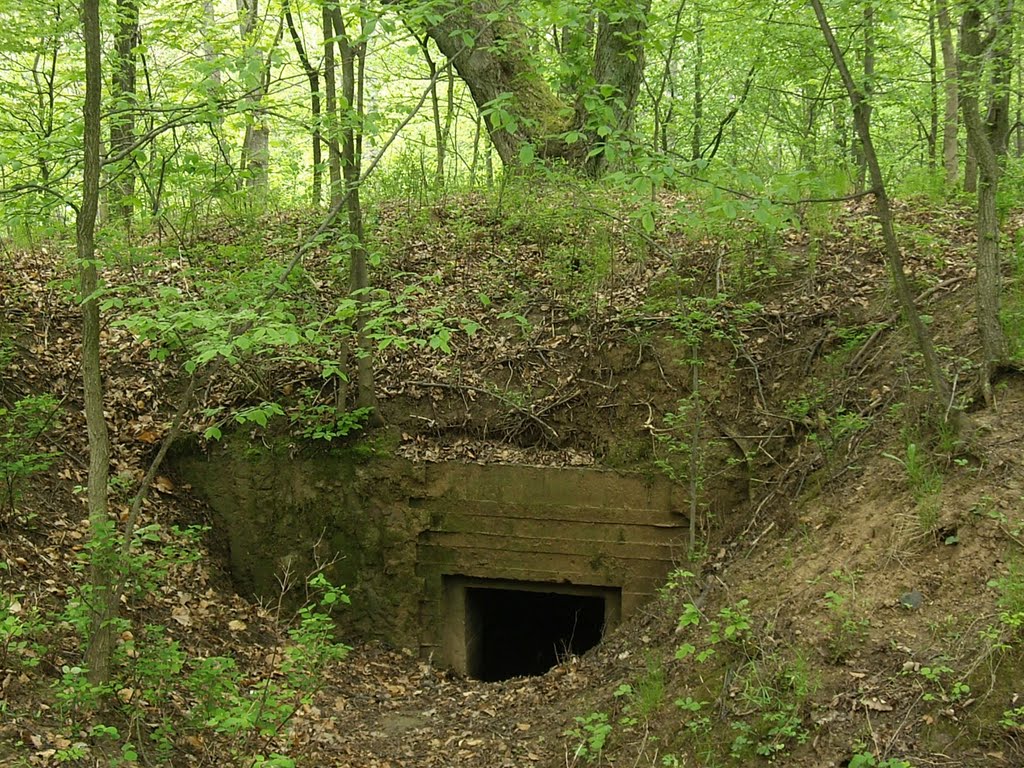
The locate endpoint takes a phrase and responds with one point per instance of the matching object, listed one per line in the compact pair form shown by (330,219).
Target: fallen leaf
(875,705)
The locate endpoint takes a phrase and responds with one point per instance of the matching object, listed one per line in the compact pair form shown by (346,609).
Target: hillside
(856,598)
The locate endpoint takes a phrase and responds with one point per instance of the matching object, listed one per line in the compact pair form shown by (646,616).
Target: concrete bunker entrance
(501,629)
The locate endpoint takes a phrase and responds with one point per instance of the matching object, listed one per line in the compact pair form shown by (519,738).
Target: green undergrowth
(164,698)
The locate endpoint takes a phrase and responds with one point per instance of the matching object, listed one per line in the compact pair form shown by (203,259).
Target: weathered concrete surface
(539,525)
(397,533)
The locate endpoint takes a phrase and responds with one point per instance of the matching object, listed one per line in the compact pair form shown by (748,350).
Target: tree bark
(491,51)
(255,160)
(950,87)
(988,139)
(869,86)
(922,338)
(353,56)
(618,71)
(314,96)
(122,124)
(440,136)
(331,93)
(518,106)
(933,93)
(698,88)
(102,561)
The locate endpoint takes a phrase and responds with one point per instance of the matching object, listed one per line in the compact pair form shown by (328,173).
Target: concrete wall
(540,525)
(397,531)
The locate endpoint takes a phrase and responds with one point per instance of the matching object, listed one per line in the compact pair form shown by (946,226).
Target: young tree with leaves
(922,338)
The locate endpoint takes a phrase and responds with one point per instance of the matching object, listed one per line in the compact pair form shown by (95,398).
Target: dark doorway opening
(513,633)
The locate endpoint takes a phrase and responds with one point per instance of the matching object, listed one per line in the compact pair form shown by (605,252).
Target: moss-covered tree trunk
(492,52)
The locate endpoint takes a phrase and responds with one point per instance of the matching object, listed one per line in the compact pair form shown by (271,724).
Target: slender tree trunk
(922,338)
(475,161)
(440,141)
(331,93)
(103,573)
(449,118)
(1019,121)
(933,94)
(869,78)
(988,139)
(122,124)
(314,96)
(950,87)
(353,56)
(698,87)
(256,144)
(695,446)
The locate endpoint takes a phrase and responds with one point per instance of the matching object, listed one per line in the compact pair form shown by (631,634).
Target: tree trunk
(314,96)
(353,56)
(933,94)
(122,123)
(255,160)
(698,88)
(869,79)
(102,563)
(331,93)
(950,87)
(618,71)
(519,107)
(989,141)
(440,140)
(1019,121)
(923,339)
(970,169)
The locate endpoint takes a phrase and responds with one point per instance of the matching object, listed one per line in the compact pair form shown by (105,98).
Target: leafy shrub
(21,426)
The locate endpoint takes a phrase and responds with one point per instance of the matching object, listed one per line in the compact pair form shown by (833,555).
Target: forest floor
(862,603)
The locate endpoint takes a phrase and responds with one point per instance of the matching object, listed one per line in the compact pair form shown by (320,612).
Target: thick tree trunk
(950,87)
(518,106)
(491,51)
(988,139)
(922,338)
(970,169)
(122,124)
(102,562)
(618,71)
